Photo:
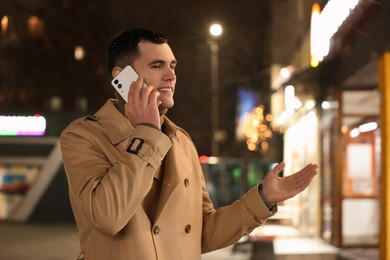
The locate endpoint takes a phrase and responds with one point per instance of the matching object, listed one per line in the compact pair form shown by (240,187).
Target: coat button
(156,230)
(187,229)
(186,182)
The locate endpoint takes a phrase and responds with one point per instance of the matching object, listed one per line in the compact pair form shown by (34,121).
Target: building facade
(333,106)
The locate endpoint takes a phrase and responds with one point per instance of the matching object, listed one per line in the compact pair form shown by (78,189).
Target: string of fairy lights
(258,129)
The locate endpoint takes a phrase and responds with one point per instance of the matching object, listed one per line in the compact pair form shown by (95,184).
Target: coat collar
(119,127)
(114,122)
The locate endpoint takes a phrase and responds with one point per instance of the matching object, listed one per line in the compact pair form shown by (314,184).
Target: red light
(203,159)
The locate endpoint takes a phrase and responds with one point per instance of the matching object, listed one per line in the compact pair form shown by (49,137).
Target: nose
(170,75)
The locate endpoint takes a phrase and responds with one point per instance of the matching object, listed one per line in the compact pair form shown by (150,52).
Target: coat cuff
(149,144)
(257,206)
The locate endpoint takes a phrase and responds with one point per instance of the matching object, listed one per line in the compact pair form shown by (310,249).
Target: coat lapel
(176,168)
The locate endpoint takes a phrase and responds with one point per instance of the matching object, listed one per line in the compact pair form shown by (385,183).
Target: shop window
(79,53)
(360,167)
(4,25)
(360,129)
(360,173)
(35,27)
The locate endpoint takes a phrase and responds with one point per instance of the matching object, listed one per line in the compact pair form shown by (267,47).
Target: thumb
(278,168)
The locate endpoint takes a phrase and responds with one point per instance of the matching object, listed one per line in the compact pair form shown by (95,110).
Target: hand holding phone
(123,80)
(140,111)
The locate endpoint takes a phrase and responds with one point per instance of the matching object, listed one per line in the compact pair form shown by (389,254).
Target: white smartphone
(123,80)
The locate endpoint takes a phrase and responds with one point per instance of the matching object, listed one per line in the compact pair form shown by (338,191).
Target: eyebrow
(161,62)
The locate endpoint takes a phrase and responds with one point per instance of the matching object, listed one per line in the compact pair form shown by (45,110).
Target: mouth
(165,90)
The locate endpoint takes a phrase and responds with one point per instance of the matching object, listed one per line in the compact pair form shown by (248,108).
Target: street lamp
(215,31)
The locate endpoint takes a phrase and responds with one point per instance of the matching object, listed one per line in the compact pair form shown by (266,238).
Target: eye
(156,66)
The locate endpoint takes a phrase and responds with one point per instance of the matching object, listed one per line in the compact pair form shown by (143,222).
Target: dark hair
(123,49)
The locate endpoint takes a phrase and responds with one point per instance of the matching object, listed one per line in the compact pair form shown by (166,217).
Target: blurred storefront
(227,179)
(301,121)
(330,102)
(33,184)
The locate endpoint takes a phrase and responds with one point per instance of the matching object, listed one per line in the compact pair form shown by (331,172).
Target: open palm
(277,189)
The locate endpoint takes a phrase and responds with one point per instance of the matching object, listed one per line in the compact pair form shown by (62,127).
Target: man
(135,182)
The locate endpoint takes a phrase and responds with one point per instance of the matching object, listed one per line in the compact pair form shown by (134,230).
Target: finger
(278,168)
(303,184)
(304,177)
(139,83)
(153,97)
(308,172)
(145,94)
(134,93)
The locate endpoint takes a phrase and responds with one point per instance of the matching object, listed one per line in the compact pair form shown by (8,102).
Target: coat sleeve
(225,226)
(107,193)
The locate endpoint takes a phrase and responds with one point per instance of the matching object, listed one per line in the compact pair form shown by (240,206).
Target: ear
(115,71)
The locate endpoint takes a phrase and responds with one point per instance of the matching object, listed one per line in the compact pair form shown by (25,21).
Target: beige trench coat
(107,185)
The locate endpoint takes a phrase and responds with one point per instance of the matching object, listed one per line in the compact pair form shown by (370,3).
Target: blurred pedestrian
(135,182)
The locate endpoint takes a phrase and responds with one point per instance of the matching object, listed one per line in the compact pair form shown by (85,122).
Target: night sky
(246,52)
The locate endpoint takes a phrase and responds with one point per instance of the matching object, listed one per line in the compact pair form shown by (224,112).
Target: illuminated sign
(247,100)
(324,24)
(22,125)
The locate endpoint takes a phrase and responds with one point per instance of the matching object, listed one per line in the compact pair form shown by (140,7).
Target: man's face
(157,65)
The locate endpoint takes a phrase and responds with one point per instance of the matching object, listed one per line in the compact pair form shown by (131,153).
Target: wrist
(268,204)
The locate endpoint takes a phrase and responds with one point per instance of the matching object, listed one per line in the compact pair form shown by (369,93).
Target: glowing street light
(215,31)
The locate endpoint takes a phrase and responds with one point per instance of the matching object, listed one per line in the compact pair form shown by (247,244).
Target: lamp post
(215,31)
